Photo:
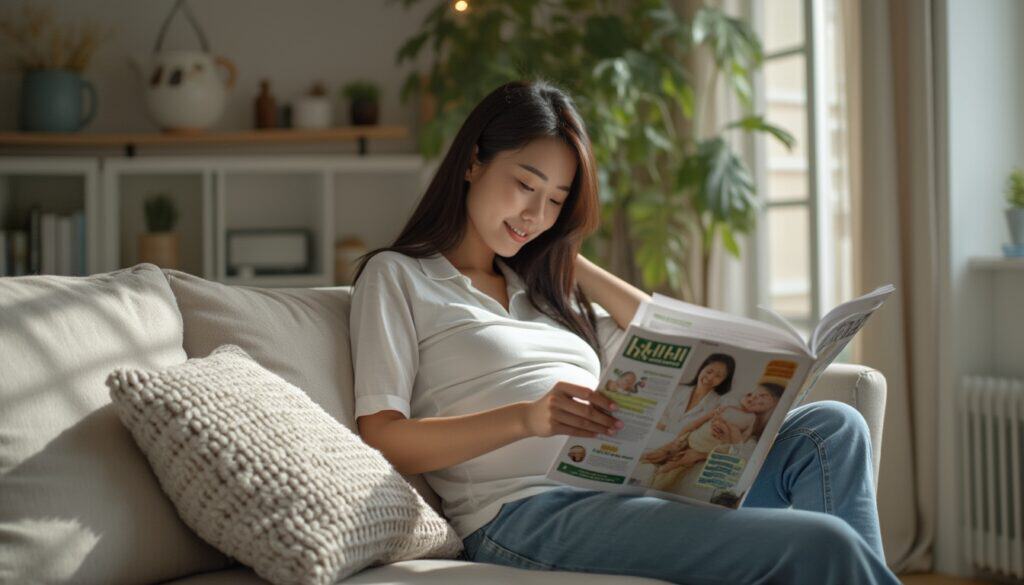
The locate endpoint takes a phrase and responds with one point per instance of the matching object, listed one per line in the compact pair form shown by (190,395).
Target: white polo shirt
(427,343)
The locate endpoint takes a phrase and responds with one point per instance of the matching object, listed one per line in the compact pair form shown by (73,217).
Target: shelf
(130,141)
(996,263)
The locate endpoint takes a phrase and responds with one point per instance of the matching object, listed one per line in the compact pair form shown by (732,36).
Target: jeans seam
(819,445)
(498,550)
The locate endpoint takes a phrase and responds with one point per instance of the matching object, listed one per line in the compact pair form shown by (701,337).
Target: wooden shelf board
(996,263)
(268,136)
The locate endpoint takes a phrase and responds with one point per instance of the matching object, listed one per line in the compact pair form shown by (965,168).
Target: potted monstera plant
(160,244)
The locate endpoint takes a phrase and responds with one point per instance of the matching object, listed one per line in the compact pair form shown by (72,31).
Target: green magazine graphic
(656,352)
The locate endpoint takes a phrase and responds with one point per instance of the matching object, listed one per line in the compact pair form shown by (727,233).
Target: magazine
(702,395)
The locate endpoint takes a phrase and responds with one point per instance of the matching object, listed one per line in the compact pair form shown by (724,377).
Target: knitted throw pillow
(261,472)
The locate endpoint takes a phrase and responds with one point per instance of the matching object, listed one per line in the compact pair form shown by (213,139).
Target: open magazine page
(719,326)
(835,331)
(674,444)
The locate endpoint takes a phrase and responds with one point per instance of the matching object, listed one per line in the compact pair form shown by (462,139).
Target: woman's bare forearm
(617,296)
(420,445)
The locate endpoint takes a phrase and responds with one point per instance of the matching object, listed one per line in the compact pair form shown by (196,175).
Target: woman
(712,381)
(476,347)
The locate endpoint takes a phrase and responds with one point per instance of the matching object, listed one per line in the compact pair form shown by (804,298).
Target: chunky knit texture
(261,472)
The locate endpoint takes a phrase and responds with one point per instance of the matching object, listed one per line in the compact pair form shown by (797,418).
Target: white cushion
(78,503)
(268,477)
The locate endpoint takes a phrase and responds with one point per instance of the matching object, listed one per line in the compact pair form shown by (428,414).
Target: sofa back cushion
(300,334)
(78,502)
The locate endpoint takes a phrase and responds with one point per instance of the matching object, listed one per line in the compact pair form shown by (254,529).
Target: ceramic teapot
(184,89)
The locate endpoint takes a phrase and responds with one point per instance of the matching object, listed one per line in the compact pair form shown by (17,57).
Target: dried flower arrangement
(36,41)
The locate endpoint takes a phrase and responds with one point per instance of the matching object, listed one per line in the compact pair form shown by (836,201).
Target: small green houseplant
(1015,198)
(160,244)
(363,99)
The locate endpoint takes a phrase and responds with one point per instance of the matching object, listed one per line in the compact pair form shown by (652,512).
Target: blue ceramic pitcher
(51,101)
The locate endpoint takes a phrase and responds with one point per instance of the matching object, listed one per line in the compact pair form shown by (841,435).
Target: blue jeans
(809,518)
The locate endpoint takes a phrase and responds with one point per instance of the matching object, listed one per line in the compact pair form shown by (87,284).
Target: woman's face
(712,375)
(759,401)
(519,194)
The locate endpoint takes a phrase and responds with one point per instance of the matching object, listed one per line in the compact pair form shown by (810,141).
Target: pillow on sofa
(300,334)
(264,474)
(78,503)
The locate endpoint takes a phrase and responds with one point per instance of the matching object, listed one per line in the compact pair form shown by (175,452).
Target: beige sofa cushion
(299,334)
(78,502)
(268,477)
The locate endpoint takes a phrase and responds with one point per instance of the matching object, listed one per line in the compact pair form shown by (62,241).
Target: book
(64,245)
(18,252)
(34,259)
(48,243)
(79,265)
(702,395)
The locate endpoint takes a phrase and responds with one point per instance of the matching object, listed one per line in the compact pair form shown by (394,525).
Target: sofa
(78,502)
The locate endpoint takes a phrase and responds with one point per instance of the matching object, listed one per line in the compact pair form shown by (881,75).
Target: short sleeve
(609,334)
(385,347)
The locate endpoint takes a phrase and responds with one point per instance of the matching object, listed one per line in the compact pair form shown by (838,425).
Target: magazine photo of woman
(478,337)
(712,381)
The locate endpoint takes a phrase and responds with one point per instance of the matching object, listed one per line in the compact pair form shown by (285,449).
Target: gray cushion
(79,502)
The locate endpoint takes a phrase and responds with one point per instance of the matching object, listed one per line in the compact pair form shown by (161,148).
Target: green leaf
(720,185)
(411,47)
(758,124)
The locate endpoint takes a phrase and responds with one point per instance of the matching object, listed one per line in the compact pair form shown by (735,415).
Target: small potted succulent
(1015,213)
(160,244)
(363,106)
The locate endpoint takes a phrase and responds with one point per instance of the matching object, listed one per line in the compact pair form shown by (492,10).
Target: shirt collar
(438,267)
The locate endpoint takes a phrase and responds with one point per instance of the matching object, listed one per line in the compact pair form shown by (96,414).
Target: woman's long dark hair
(507,119)
(730,366)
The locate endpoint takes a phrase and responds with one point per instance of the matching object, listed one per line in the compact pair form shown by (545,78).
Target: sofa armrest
(862,388)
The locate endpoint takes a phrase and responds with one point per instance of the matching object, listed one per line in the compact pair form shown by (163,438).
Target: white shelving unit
(332,197)
(59,185)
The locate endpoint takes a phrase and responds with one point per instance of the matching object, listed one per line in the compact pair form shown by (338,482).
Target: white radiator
(992,422)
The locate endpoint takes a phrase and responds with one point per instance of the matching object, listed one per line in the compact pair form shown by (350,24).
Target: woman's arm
(420,445)
(617,296)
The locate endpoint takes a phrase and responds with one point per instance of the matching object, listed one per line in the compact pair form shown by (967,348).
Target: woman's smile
(517,235)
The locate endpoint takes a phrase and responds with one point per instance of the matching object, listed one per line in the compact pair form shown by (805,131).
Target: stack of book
(50,243)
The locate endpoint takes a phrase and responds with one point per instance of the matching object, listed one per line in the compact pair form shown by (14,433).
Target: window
(803,265)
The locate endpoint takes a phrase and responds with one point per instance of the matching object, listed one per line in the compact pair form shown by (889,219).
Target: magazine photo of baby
(699,438)
(626,382)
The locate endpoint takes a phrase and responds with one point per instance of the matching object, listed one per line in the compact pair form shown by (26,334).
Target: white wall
(292,43)
(984,85)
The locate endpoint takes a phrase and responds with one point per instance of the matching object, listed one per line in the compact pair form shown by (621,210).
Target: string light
(461,6)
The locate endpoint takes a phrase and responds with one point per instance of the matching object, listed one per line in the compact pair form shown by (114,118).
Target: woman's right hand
(558,413)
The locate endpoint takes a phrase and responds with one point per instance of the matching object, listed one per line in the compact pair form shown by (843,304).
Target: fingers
(561,429)
(582,392)
(581,423)
(589,412)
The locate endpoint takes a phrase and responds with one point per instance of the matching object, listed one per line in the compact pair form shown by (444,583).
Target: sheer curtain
(891,95)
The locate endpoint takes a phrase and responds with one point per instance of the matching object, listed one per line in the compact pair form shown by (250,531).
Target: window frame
(822,249)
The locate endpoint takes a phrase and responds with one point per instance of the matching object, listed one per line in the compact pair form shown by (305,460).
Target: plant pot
(160,248)
(1015,220)
(51,101)
(364,112)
